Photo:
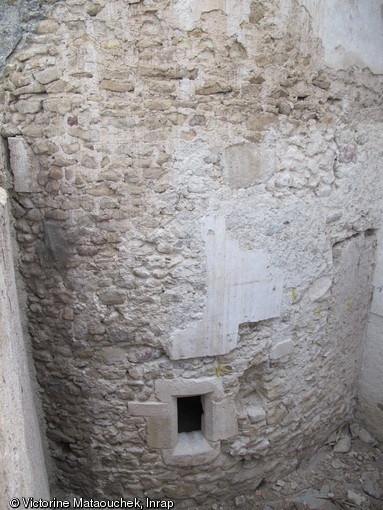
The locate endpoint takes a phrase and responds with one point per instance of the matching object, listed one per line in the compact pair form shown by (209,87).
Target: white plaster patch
(358,41)
(240,289)
(377,297)
(189,12)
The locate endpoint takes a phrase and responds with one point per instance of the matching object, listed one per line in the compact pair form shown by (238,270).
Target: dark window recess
(189,413)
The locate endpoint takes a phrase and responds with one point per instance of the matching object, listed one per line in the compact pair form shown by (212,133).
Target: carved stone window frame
(219,420)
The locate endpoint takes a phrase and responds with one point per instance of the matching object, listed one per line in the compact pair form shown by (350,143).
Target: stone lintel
(158,432)
(166,390)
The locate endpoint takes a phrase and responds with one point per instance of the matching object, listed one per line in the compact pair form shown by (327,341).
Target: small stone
(372,488)
(255,414)
(281,483)
(354,497)
(198,120)
(337,464)
(110,44)
(284,108)
(257,80)
(47,27)
(343,445)
(29,106)
(365,436)
(56,174)
(68,314)
(96,329)
(87,251)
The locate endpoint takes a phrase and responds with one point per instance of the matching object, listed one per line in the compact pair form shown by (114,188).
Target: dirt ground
(346,473)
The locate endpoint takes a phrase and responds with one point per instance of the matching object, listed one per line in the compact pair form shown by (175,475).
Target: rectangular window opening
(190,412)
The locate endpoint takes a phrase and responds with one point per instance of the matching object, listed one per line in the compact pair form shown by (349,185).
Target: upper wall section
(17,18)
(351,32)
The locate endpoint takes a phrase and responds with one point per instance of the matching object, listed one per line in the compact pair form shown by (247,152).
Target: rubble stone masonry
(196,197)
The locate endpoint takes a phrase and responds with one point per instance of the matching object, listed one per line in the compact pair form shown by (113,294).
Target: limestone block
(256,413)
(28,106)
(192,449)
(219,419)
(24,165)
(320,288)
(158,432)
(245,165)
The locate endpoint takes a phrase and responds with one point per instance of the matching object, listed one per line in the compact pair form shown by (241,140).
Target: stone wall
(22,466)
(196,198)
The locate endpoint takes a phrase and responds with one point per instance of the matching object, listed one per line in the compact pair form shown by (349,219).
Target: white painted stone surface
(22,465)
(351,32)
(241,288)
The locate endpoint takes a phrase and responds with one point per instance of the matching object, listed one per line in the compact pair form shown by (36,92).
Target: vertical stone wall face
(178,158)
(22,466)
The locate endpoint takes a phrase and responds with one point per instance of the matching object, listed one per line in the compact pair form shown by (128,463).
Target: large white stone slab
(24,165)
(241,288)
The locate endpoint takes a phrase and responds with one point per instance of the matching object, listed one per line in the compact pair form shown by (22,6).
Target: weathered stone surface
(198,226)
(213,88)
